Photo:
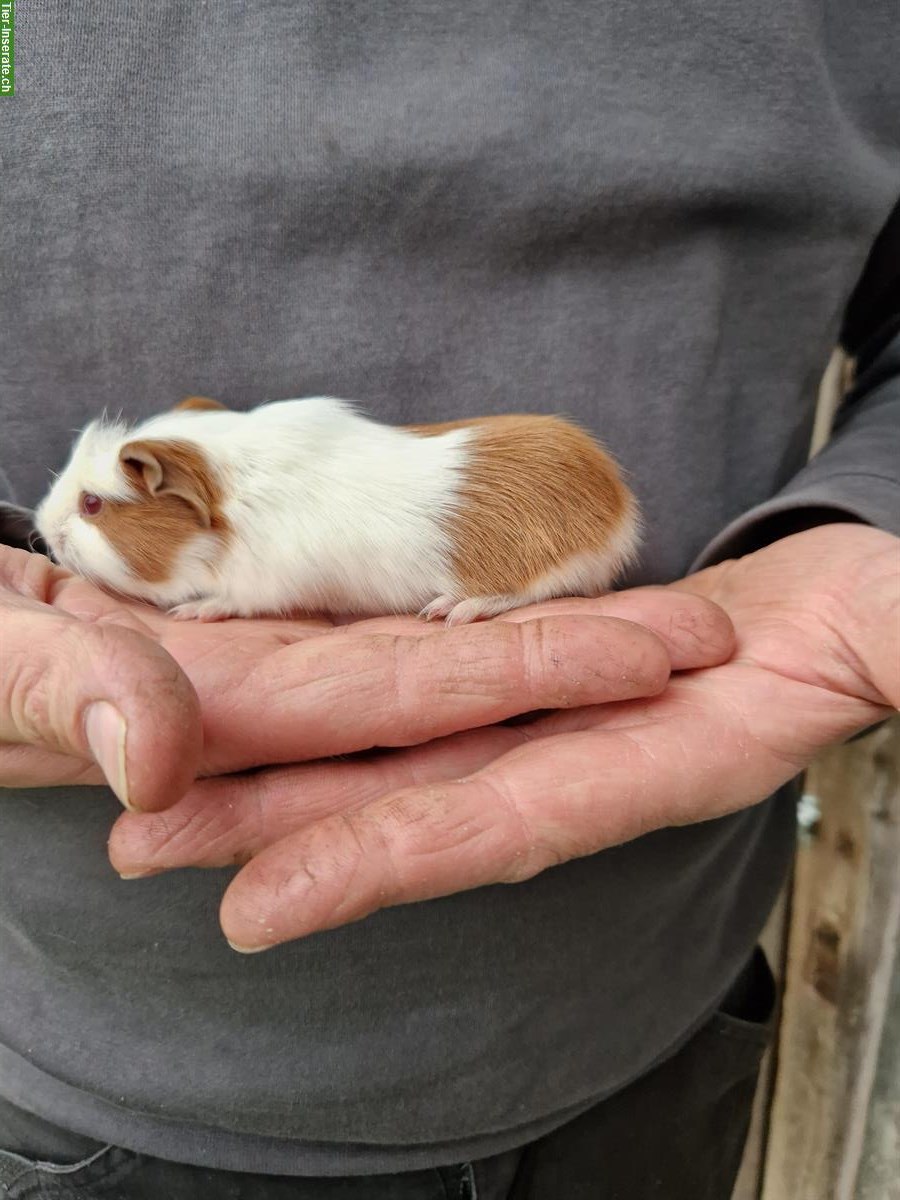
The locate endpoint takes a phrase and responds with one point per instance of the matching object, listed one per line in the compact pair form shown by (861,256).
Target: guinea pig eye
(90,504)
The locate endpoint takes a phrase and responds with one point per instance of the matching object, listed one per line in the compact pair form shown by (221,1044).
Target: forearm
(856,477)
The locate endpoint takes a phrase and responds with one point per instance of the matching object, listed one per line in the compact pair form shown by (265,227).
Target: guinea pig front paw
(201,610)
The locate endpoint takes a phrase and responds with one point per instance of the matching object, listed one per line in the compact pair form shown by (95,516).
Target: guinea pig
(307,505)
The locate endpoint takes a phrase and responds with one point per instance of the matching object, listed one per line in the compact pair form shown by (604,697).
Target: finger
(696,631)
(230,819)
(346,669)
(98,693)
(424,842)
(29,766)
(656,763)
(340,694)
(31,576)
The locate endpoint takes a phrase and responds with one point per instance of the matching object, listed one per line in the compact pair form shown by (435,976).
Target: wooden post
(841,954)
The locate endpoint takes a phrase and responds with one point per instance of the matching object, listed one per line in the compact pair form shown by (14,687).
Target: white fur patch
(326,510)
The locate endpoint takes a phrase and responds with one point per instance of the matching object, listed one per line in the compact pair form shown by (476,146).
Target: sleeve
(16,523)
(856,475)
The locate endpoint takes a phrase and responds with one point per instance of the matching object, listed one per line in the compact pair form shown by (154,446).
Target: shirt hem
(52,1099)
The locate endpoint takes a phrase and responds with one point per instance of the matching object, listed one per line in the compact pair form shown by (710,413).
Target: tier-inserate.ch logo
(7,47)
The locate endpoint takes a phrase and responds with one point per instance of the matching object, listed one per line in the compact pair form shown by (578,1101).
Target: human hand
(283,691)
(78,692)
(818,658)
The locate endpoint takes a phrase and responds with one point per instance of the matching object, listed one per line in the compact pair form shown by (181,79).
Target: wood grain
(842,950)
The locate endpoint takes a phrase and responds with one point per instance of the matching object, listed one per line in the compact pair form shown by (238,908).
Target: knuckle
(33,675)
(403,668)
(527,854)
(540,655)
(27,699)
(361,841)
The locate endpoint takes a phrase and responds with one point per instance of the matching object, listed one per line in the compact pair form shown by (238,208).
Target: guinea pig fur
(307,505)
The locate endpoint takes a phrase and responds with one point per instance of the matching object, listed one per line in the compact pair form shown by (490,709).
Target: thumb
(98,692)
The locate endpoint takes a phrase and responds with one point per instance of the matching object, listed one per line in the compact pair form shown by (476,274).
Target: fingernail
(246,949)
(105,729)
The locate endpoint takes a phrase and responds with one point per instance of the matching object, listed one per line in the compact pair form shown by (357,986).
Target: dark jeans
(675,1134)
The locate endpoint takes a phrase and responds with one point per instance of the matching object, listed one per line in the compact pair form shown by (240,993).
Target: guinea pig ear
(198,404)
(173,469)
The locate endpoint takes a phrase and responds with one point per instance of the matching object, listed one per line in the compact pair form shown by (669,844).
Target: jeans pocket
(26,1178)
(747,1014)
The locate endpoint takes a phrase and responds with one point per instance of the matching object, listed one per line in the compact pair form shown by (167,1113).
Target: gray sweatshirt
(647,215)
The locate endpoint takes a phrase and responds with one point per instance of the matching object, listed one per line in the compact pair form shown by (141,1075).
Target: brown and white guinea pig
(306,505)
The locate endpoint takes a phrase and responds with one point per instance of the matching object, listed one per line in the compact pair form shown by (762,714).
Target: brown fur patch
(537,492)
(198,404)
(179,496)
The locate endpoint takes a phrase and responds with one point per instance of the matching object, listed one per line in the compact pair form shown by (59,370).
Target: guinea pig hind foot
(201,610)
(463,612)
